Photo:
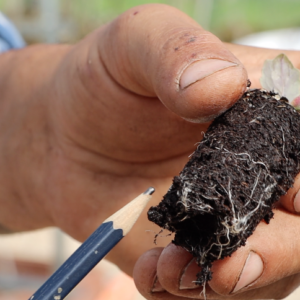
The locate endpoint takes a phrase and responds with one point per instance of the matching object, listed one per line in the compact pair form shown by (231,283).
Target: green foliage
(235,18)
(228,19)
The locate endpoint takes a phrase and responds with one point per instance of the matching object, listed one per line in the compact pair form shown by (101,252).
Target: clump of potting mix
(246,160)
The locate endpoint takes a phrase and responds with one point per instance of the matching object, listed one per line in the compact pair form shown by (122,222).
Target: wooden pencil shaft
(80,263)
(99,243)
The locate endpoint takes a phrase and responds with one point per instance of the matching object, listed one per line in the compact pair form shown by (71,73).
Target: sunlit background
(27,259)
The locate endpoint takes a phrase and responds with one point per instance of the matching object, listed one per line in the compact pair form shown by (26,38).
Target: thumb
(157,51)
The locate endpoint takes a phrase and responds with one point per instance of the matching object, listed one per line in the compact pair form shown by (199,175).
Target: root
(159,235)
(239,221)
(203,293)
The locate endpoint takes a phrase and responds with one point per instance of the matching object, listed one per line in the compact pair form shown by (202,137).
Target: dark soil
(247,159)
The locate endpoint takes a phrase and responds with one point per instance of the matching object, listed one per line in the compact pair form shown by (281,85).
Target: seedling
(247,159)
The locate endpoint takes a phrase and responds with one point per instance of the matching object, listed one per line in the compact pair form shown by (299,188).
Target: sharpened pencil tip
(149,191)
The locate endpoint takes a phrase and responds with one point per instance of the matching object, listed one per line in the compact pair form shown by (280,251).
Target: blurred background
(70,20)
(27,259)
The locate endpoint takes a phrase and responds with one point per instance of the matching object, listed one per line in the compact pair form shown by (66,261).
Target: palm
(93,178)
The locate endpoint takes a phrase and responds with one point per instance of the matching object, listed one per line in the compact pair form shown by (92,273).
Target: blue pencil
(98,244)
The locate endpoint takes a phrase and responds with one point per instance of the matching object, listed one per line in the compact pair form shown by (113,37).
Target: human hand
(87,129)
(88,132)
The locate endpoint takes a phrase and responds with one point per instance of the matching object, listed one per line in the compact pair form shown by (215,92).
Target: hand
(86,128)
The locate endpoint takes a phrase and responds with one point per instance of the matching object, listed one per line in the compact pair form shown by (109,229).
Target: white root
(234,225)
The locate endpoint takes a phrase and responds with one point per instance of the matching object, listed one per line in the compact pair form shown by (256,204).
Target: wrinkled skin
(86,128)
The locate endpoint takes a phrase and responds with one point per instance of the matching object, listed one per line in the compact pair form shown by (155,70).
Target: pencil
(97,245)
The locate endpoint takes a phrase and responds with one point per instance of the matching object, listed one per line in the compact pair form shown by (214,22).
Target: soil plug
(247,159)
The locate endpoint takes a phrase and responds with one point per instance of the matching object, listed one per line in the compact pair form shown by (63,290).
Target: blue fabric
(10,38)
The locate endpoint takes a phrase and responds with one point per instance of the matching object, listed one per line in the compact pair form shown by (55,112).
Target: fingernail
(297,202)
(252,270)
(188,278)
(157,286)
(201,69)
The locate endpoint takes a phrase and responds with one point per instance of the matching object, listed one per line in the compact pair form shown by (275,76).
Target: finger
(176,272)
(291,200)
(146,280)
(269,256)
(252,272)
(188,68)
